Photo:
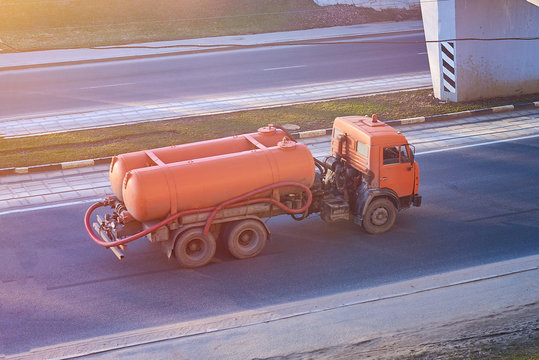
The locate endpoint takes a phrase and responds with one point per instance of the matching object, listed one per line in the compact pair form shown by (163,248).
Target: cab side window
(362,149)
(337,133)
(396,154)
(391,155)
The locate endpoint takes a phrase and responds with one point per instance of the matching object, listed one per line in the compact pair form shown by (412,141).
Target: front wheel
(194,249)
(380,216)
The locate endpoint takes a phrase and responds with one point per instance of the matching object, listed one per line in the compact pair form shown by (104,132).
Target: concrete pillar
(465,65)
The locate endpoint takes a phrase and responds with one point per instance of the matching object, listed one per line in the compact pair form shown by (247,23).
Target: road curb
(299,135)
(57,166)
(464,114)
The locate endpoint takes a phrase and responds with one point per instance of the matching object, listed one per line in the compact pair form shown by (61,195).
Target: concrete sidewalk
(397,320)
(32,59)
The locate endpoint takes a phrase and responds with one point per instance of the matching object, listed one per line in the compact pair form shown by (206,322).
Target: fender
(365,196)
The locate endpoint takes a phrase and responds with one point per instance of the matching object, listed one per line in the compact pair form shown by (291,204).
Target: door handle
(382,179)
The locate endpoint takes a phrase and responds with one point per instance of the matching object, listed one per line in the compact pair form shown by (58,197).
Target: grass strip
(91,144)
(54,24)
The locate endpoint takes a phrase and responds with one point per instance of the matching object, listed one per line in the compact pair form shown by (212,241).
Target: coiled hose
(236,201)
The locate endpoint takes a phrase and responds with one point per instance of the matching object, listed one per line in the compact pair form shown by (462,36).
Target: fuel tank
(121,164)
(155,192)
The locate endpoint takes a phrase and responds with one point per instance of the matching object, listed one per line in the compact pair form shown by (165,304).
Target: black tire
(194,249)
(246,238)
(380,216)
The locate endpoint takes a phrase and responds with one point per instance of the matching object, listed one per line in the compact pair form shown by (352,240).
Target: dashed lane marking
(286,67)
(105,86)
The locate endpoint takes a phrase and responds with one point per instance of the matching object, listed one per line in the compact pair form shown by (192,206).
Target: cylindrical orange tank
(121,164)
(155,192)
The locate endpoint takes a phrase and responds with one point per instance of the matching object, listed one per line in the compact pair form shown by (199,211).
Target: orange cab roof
(377,132)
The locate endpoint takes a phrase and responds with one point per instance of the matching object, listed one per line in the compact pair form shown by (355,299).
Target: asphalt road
(188,76)
(480,206)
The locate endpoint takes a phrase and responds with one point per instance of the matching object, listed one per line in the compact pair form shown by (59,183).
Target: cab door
(396,171)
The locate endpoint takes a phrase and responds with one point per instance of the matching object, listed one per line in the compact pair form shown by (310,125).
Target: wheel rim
(380,216)
(246,238)
(194,247)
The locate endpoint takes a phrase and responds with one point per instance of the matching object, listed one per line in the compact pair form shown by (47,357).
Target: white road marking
(285,67)
(51,206)
(479,144)
(422,53)
(105,86)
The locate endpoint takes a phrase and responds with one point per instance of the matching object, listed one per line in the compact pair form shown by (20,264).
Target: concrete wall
(375,4)
(482,69)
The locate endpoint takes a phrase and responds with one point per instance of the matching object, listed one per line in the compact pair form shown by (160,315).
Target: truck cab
(372,167)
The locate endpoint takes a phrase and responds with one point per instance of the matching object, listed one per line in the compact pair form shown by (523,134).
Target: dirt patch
(513,334)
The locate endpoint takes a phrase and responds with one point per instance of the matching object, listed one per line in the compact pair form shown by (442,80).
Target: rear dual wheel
(194,249)
(245,238)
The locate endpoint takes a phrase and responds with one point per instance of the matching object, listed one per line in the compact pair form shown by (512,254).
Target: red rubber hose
(214,209)
(234,201)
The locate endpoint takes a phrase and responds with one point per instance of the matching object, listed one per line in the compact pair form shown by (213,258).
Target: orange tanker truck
(186,197)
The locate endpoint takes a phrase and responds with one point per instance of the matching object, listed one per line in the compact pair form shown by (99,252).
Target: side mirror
(412,154)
